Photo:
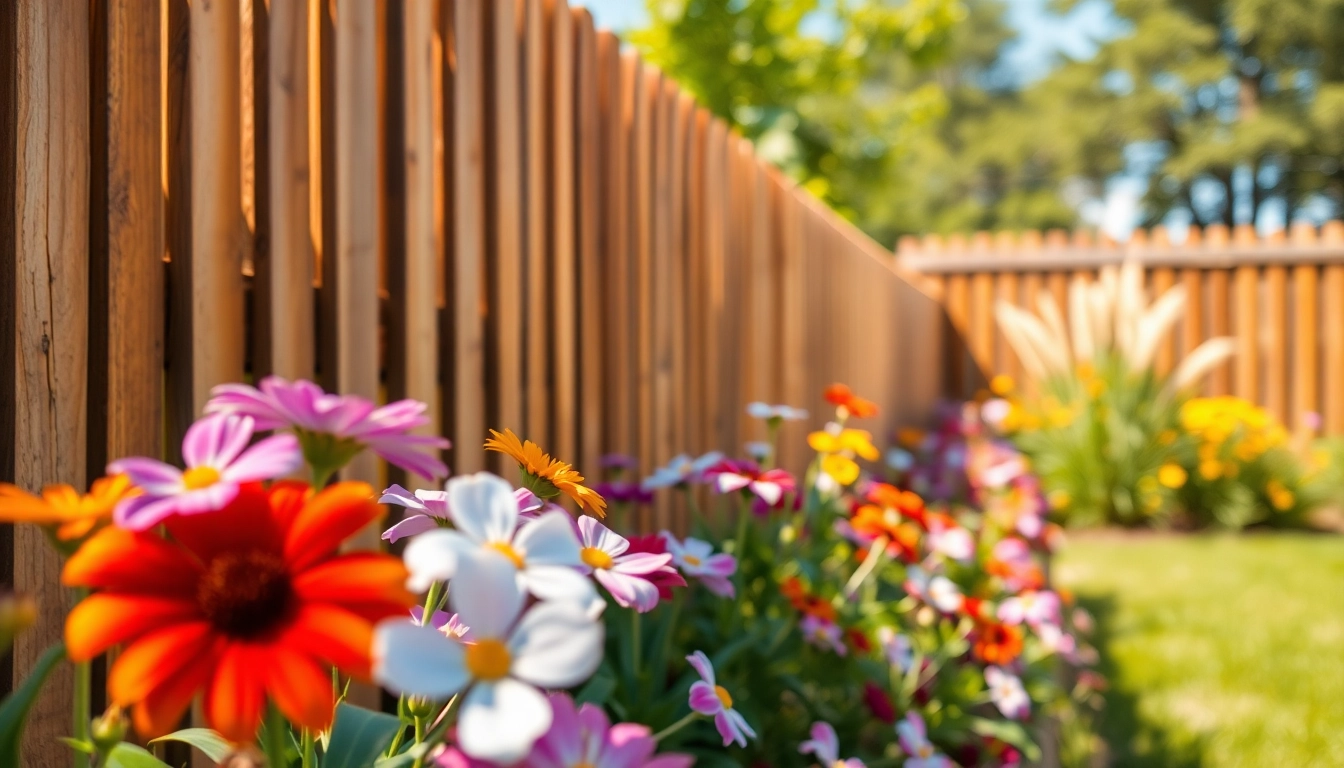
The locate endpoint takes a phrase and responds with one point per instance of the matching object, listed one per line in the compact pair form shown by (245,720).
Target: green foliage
(209,742)
(358,737)
(131,756)
(14,710)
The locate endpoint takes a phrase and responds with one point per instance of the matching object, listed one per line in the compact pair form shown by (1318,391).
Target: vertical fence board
(1273,338)
(559,131)
(592,297)
(644,116)
(1305,350)
(617,84)
(1333,349)
(1248,346)
(537,265)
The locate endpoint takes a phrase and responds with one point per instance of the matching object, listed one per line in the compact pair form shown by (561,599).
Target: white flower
(896,646)
(939,591)
(544,552)
(1007,693)
(697,559)
(553,645)
(681,470)
(759,410)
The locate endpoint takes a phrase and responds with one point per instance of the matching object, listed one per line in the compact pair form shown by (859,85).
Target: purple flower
(447,623)
(825,746)
(333,428)
(618,461)
(697,559)
(823,634)
(628,576)
(681,471)
(769,485)
(709,698)
(432,506)
(584,736)
(218,460)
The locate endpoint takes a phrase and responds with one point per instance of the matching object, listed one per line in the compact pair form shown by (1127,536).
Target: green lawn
(1221,650)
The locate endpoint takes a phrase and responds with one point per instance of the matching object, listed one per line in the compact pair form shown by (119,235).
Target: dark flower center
(244,594)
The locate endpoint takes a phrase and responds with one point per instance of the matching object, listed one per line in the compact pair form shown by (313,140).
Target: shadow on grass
(1131,740)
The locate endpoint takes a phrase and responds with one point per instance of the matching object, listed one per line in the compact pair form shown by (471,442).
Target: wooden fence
(489,206)
(1281,297)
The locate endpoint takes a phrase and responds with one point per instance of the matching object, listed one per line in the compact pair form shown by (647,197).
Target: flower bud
(108,730)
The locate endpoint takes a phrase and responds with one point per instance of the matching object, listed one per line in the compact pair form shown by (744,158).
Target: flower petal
(156,657)
(704,699)
(152,476)
(555,645)
(411,526)
(493,599)
(483,507)
(216,440)
(370,585)
(331,517)
(501,721)
(333,634)
(549,540)
(105,619)
(246,522)
(416,660)
(700,662)
(434,555)
(274,457)
(629,591)
(161,710)
(125,561)
(299,687)
(599,536)
(237,696)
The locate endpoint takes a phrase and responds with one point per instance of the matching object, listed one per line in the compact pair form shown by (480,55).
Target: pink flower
(769,486)
(825,746)
(697,559)
(823,634)
(915,741)
(708,698)
(628,576)
(450,624)
(897,648)
(1007,693)
(333,428)
(1035,608)
(218,460)
(950,540)
(664,578)
(433,506)
(584,736)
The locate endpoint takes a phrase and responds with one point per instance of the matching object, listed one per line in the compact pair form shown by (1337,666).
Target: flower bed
(897,620)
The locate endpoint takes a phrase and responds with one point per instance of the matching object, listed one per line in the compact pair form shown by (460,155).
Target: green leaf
(130,756)
(1012,732)
(14,711)
(599,688)
(359,737)
(211,743)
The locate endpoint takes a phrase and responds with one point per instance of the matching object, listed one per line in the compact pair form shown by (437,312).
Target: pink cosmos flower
(584,736)
(1007,693)
(897,648)
(825,746)
(1035,608)
(215,450)
(433,506)
(769,485)
(915,741)
(1056,640)
(951,541)
(711,699)
(823,634)
(333,428)
(450,624)
(628,576)
(664,578)
(939,591)
(697,559)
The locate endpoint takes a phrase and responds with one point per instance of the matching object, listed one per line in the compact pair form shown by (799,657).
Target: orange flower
(840,396)
(802,600)
(62,506)
(544,476)
(873,522)
(997,643)
(246,603)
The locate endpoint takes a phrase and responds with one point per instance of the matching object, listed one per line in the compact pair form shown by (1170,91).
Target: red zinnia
(245,603)
(997,643)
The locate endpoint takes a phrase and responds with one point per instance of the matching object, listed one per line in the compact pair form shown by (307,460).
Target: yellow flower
(842,469)
(62,506)
(1001,385)
(1171,475)
(857,441)
(1148,485)
(1058,499)
(1166,437)
(910,437)
(544,476)
(1210,470)
(1279,496)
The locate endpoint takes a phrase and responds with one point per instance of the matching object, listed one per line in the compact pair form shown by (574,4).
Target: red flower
(996,643)
(664,578)
(858,640)
(840,396)
(879,703)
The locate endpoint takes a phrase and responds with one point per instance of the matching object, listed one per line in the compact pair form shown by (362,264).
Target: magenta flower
(628,576)
(334,428)
(432,506)
(824,634)
(665,578)
(215,450)
(769,485)
(697,559)
(825,746)
(915,741)
(1033,607)
(584,736)
(709,698)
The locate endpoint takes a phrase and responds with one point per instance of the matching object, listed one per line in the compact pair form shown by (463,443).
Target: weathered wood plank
(589,171)
(561,235)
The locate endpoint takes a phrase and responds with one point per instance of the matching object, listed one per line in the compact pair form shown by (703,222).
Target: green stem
(772,440)
(322,476)
(395,746)
(690,717)
(276,738)
(431,604)
(419,739)
(743,512)
(870,562)
(636,642)
(309,750)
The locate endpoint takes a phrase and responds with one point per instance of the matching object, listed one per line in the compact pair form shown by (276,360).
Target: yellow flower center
(197,478)
(506,549)
(583,764)
(596,558)
(724,698)
(488,660)
(925,750)
(691,560)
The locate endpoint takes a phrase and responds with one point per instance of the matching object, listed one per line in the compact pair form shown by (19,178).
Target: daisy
(432,507)
(769,486)
(334,428)
(1007,693)
(627,576)
(915,741)
(73,515)
(825,746)
(215,450)
(775,413)
(681,471)
(512,654)
(583,736)
(544,476)
(697,559)
(897,648)
(711,699)
(543,552)
(248,603)
(823,634)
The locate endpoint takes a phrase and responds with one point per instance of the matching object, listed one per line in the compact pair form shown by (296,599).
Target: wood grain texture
(1305,407)
(590,180)
(561,235)
(537,264)
(48,246)
(1273,338)
(1333,348)
(1219,294)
